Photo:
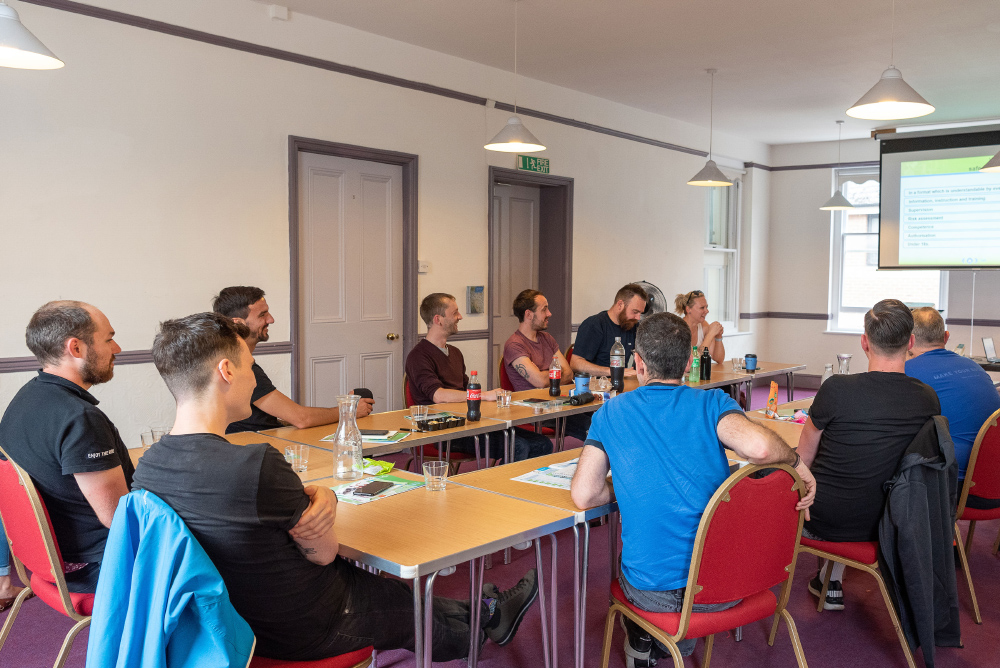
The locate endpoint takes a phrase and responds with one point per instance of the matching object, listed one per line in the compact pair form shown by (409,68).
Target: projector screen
(937,210)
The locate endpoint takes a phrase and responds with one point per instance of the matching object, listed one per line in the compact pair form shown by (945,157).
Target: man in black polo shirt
(592,348)
(54,430)
(273,541)
(269,406)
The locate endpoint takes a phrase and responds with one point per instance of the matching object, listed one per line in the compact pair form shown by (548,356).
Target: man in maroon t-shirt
(435,374)
(530,353)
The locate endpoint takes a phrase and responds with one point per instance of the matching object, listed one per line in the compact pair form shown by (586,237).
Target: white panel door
(515,258)
(350,279)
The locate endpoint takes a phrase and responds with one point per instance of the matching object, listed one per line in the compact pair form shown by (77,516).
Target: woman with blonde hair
(693,307)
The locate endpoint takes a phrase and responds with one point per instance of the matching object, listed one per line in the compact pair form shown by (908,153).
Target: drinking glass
(435,473)
(737,364)
(147,440)
(845,362)
(158,434)
(298,456)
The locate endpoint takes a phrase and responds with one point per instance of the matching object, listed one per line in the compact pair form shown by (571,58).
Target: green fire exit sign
(529,163)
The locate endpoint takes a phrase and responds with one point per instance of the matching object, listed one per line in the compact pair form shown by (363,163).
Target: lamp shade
(890,99)
(993,165)
(837,203)
(710,175)
(19,48)
(514,138)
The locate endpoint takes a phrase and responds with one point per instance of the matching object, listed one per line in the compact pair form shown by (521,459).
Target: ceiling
(787,69)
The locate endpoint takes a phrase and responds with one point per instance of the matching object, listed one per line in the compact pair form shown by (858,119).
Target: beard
(540,326)
(261,335)
(626,323)
(95,374)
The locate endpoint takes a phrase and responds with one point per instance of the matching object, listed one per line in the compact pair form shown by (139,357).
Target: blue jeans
(4,554)
(665,601)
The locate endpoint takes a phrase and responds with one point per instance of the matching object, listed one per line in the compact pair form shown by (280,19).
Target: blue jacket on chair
(160,600)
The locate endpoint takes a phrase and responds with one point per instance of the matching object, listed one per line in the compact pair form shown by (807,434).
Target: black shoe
(512,604)
(638,645)
(834,593)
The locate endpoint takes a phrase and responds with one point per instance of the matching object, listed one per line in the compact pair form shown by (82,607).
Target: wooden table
(499,479)
(419,533)
(788,431)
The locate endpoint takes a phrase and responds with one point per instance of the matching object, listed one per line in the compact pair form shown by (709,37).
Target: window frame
(731,248)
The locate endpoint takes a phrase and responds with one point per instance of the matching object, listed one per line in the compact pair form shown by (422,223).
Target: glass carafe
(844,359)
(347,453)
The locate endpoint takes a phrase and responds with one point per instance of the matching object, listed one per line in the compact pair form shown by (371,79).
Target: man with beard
(592,349)
(54,430)
(435,374)
(269,407)
(530,351)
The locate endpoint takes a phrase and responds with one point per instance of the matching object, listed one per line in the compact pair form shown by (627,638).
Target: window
(721,255)
(856,284)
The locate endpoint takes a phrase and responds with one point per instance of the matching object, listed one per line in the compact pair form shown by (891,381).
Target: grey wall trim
(967,322)
(409,165)
(785,315)
(468,335)
(826,165)
(576,327)
(361,73)
(126,357)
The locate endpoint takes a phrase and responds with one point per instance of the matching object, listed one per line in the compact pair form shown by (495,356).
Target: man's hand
(318,518)
(488,395)
(810,482)
(365,406)
(630,373)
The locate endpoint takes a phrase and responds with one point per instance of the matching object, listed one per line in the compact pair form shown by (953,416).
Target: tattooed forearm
(520,368)
(306,550)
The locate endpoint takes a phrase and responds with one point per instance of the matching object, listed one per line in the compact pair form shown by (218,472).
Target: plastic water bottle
(555,377)
(618,365)
(827,372)
(695,374)
(706,365)
(474,396)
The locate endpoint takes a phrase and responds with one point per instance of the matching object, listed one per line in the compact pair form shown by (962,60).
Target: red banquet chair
(362,658)
(983,473)
(746,544)
(455,459)
(33,546)
(864,557)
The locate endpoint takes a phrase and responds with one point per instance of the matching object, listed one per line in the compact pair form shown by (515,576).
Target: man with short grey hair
(54,430)
(965,391)
(859,425)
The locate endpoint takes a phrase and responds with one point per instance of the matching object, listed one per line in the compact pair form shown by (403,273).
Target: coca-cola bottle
(555,377)
(618,365)
(474,396)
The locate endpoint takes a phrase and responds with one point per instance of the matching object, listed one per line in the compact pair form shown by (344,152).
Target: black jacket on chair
(915,540)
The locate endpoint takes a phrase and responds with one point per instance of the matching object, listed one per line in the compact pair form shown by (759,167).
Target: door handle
(391,337)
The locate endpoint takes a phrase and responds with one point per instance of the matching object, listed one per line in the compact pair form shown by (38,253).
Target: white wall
(151,171)
(798,276)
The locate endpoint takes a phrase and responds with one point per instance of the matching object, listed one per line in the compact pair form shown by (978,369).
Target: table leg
(447,452)
(555,602)
(508,445)
(583,590)
(540,569)
(791,386)
(475,608)
(428,620)
(475,446)
(749,394)
(576,595)
(738,633)
(418,625)
(562,434)
(613,519)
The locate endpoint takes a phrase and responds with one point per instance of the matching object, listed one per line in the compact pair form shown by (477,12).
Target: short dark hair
(54,323)
(436,303)
(525,301)
(663,340)
(235,301)
(185,350)
(928,326)
(631,290)
(888,325)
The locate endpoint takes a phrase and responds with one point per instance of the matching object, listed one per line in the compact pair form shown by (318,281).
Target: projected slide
(949,213)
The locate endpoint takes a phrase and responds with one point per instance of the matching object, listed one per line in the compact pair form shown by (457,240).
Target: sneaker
(512,604)
(834,593)
(638,645)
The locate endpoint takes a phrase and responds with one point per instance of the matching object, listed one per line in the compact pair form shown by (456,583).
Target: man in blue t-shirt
(965,391)
(665,443)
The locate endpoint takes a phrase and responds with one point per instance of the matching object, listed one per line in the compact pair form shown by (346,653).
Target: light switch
(423,267)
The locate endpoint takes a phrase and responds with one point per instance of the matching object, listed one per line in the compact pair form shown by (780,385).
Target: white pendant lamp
(838,202)
(710,174)
(19,48)
(993,165)
(891,98)
(515,138)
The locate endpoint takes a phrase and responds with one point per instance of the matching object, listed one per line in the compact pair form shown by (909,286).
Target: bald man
(54,430)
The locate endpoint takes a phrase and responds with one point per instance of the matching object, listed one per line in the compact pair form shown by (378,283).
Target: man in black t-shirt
(269,407)
(858,429)
(54,430)
(592,347)
(273,541)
